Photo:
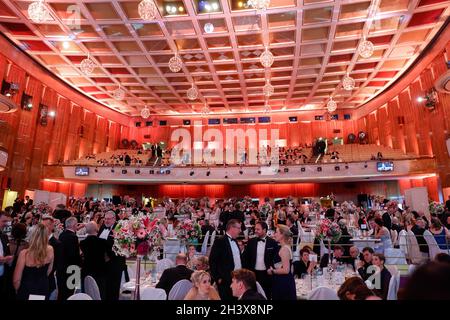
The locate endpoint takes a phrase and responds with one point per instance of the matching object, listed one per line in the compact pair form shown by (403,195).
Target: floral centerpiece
(436,208)
(188,231)
(328,230)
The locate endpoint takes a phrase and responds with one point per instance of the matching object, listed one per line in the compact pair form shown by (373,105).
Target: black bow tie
(263,240)
(231,239)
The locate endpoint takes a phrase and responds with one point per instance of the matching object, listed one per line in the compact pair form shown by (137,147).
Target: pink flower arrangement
(328,229)
(189,231)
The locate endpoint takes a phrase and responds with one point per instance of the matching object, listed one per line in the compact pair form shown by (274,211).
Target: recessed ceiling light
(66,45)
(52,114)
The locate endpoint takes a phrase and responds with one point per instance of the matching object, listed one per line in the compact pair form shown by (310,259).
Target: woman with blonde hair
(283,283)
(34,266)
(202,289)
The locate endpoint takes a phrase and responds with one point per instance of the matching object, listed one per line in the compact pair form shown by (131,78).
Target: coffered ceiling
(314,43)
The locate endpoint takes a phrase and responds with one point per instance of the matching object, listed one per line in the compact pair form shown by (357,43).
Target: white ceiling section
(314,43)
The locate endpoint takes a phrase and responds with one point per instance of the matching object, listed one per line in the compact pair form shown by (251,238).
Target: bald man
(94,251)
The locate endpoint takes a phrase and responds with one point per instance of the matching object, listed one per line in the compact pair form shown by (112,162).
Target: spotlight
(240,4)
(66,45)
(52,114)
(286,170)
(151,172)
(420,99)
(215,6)
(191,173)
(207,7)
(259,171)
(124,171)
(226,177)
(180,8)
(240,171)
(137,171)
(208,173)
(303,169)
(319,169)
(30,105)
(337,168)
(167,171)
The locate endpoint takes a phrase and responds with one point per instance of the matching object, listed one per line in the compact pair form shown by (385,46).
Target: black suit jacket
(115,261)
(173,275)
(221,261)
(324,260)
(387,221)
(57,261)
(70,249)
(252,295)
(94,254)
(249,255)
(61,214)
(418,232)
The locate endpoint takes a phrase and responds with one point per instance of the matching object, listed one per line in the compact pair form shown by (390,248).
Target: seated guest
(354,288)
(440,233)
(396,225)
(418,229)
(202,289)
(202,263)
(354,257)
(382,233)
(243,285)
(378,260)
(172,275)
(336,257)
(304,265)
(365,263)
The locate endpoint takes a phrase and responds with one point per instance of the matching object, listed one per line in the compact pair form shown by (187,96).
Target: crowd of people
(40,247)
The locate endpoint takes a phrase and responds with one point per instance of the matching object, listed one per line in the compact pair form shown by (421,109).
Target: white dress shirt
(236,253)
(105,233)
(261,248)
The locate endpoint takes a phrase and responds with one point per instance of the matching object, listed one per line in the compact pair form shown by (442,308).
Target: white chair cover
(432,244)
(323,293)
(205,243)
(153,294)
(413,246)
(323,249)
(180,290)
(164,264)
(403,242)
(260,290)
(79,296)
(394,237)
(213,237)
(91,288)
(394,283)
(395,256)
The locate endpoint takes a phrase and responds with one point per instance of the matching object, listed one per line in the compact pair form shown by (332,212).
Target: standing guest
(202,289)
(259,255)
(71,256)
(225,257)
(243,285)
(5,259)
(94,252)
(115,264)
(34,265)
(49,223)
(304,265)
(61,213)
(447,203)
(172,275)
(365,263)
(291,223)
(378,261)
(283,283)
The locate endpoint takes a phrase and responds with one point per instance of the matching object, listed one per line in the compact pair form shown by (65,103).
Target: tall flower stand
(137,289)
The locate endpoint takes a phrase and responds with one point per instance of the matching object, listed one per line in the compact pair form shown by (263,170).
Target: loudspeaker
(362,198)
(116,200)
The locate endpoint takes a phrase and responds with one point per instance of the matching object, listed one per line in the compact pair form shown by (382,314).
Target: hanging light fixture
(147,10)
(145,112)
(192,93)
(175,63)
(208,27)
(259,4)
(87,66)
(37,11)
(348,83)
(205,110)
(365,49)
(119,94)
(266,58)
(268,89)
(267,107)
(331,105)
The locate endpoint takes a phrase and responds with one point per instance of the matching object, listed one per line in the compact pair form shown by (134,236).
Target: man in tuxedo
(258,256)
(365,263)
(61,213)
(5,260)
(224,258)
(292,224)
(70,256)
(172,275)
(49,223)
(115,264)
(243,285)
(338,255)
(387,221)
(418,229)
(94,253)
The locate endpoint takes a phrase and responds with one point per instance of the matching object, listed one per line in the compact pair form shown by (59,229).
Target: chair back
(80,296)
(164,264)
(213,237)
(394,237)
(415,254)
(260,290)
(432,244)
(180,290)
(394,283)
(323,293)
(153,294)
(205,243)
(91,288)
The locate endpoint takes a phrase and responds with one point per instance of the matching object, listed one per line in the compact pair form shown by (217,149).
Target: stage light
(241,172)
(346,166)
(259,171)
(319,169)
(240,4)
(303,169)
(215,6)
(207,7)
(137,171)
(180,8)
(96,170)
(167,171)
(66,45)
(420,99)
(152,172)
(337,168)
(124,171)
(191,173)
(286,170)
(52,114)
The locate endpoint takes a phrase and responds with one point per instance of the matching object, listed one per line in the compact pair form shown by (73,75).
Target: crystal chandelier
(266,58)
(365,49)
(37,11)
(209,27)
(87,66)
(268,89)
(145,112)
(331,105)
(258,4)
(119,94)
(267,108)
(175,63)
(192,93)
(205,110)
(147,10)
(348,83)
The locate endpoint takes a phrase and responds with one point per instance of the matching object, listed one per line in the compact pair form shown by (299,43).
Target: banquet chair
(395,256)
(416,256)
(213,237)
(323,293)
(153,294)
(180,290)
(205,243)
(323,249)
(91,288)
(260,290)
(394,283)
(79,296)
(394,237)
(432,244)
(132,271)
(403,243)
(163,264)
